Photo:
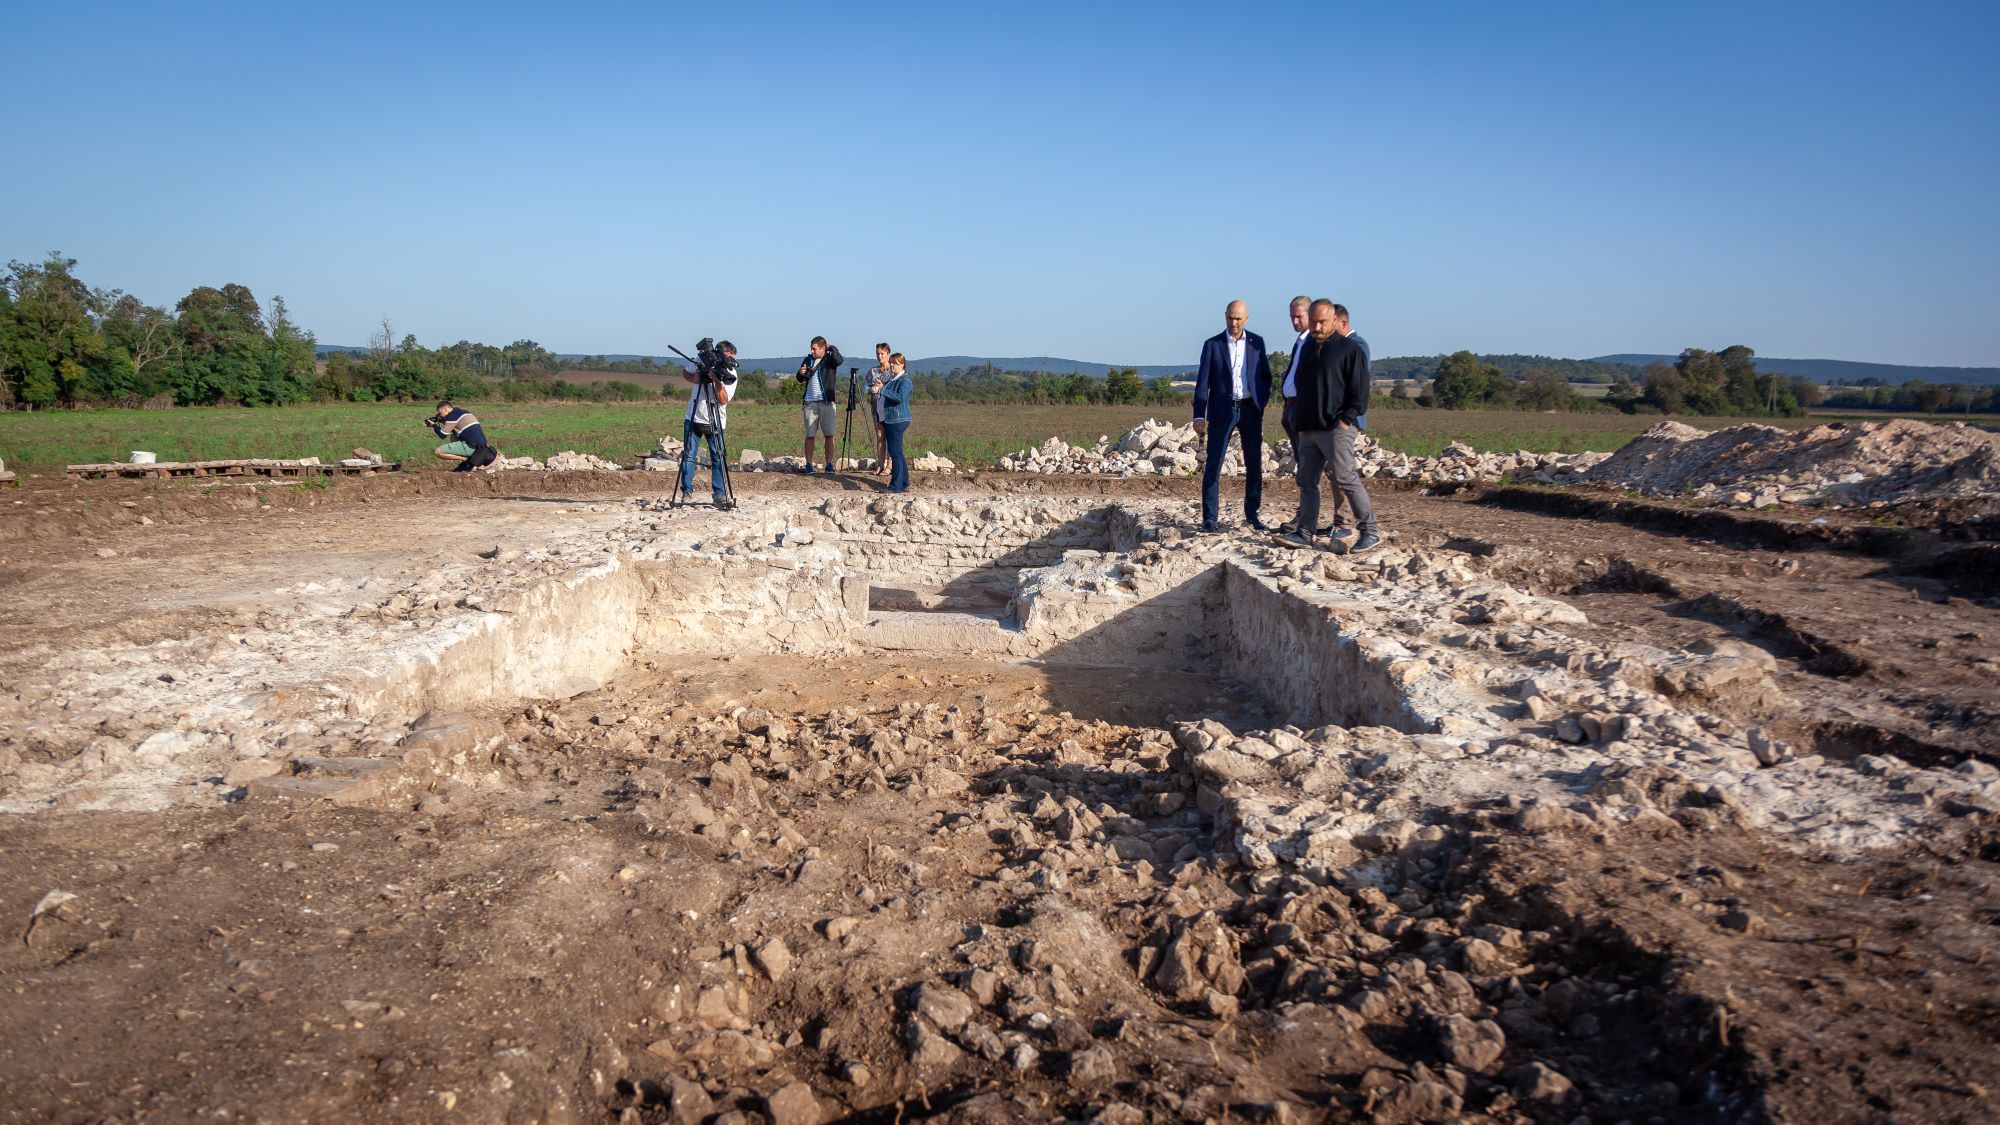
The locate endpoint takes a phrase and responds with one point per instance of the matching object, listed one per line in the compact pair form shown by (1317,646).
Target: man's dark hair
(726,346)
(443,402)
(1323,303)
(1340,310)
(819,339)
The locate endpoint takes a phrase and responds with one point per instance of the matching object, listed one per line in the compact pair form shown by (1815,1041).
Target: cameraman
(820,372)
(465,439)
(716,374)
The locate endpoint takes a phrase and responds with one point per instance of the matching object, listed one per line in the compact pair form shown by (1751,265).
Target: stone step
(444,747)
(347,792)
(989,600)
(343,767)
(938,632)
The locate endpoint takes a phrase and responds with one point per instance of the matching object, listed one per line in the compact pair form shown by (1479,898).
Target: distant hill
(934,365)
(1845,371)
(941,364)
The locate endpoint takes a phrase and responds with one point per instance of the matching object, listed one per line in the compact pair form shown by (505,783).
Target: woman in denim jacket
(895,398)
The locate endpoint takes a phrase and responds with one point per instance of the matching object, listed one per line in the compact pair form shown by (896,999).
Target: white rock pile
(568,461)
(1841,464)
(751,461)
(1155,448)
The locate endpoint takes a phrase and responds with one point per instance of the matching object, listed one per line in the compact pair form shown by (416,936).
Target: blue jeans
(1246,418)
(899,472)
(717,468)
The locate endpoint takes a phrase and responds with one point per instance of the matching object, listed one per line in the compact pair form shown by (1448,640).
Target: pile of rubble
(568,461)
(1837,465)
(1155,448)
(753,461)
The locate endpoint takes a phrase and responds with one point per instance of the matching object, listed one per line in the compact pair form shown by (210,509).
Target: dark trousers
(481,457)
(1245,418)
(1289,419)
(717,468)
(899,474)
(1331,452)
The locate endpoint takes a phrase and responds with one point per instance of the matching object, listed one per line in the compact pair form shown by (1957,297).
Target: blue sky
(1085,180)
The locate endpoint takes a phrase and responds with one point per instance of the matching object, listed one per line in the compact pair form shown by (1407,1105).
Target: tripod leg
(722,444)
(721,449)
(683,484)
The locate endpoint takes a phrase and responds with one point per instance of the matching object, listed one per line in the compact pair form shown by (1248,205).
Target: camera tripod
(847,441)
(711,408)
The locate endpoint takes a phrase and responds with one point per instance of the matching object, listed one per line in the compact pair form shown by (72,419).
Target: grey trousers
(1332,452)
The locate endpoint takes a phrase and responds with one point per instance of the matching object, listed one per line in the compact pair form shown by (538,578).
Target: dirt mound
(1837,464)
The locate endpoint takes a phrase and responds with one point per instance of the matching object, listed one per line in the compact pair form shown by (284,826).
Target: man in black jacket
(1333,393)
(820,372)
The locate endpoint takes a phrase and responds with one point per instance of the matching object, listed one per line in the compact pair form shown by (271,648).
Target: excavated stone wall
(1290,646)
(790,602)
(938,542)
(555,639)
(1110,610)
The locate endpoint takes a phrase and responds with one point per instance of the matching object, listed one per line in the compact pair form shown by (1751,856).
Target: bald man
(1230,391)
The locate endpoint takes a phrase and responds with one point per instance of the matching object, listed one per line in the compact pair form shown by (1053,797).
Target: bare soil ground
(882,887)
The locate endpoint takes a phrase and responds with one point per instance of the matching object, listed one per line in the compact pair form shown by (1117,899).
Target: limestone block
(454,737)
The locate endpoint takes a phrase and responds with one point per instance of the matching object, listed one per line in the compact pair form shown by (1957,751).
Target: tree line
(992,384)
(1698,382)
(65,344)
(1424,368)
(1915,396)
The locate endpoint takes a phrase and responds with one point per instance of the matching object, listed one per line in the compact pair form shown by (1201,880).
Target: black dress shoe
(1253,521)
(1210,527)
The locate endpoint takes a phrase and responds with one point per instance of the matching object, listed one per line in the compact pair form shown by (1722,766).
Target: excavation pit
(1066,585)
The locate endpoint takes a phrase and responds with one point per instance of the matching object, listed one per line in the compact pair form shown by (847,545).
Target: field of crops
(967,433)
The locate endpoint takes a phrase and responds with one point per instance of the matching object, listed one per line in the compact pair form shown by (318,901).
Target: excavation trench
(1067,586)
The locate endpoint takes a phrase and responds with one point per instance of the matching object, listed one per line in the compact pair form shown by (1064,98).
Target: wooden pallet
(250,467)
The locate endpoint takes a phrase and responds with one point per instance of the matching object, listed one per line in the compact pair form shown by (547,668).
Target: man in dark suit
(1333,395)
(1230,391)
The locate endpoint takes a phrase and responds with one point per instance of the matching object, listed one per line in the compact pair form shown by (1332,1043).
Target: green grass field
(969,434)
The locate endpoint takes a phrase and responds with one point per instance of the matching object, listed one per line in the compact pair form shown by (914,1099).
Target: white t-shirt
(697,408)
(1239,385)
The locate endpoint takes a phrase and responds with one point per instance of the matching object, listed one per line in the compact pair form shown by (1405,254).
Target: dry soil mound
(1839,463)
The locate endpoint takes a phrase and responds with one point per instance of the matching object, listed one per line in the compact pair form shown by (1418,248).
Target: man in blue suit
(1229,396)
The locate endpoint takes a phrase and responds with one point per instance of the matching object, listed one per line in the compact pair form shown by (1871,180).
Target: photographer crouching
(713,379)
(464,438)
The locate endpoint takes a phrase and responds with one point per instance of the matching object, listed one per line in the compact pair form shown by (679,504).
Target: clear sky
(1089,180)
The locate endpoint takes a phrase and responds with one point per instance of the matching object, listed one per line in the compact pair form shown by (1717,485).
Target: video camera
(712,363)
